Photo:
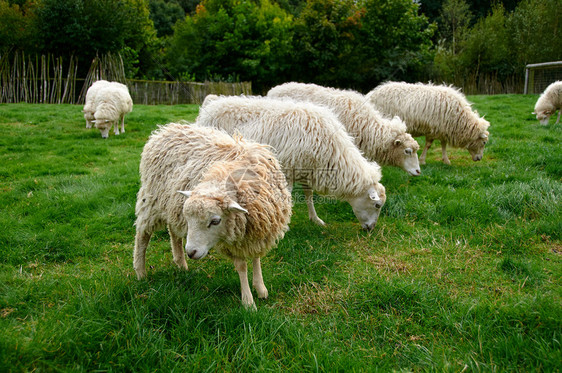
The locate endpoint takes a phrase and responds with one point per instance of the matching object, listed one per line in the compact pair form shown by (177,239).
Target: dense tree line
(344,43)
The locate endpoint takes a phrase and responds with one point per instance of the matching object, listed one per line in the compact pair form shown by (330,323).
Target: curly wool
(218,169)
(551,99)
(305,136)
(89,104)
(438,111)
(374,134)
(112,102)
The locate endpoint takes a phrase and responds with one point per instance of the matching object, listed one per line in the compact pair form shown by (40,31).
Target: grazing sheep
(112,103)
(89,104)
(311,145)
(218,192)
(549,101)
(436,112)
(382,140)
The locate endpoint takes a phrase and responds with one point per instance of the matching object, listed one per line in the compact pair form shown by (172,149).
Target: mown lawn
(462,272)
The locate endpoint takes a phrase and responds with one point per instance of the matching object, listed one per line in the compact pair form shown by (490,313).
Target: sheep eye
(215,221)
(408,151)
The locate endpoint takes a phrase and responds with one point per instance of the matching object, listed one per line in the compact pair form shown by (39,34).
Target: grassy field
(462,272)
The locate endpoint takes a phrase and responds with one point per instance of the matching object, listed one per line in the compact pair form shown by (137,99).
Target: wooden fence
(37,79)
(49,79)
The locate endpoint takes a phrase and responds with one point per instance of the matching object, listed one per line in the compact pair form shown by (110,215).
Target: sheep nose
(192,254)
(378,204)
(369,227)
(418,171)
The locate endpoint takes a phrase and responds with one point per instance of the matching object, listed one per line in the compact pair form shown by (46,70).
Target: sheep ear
(186,193)
(534,113)
(397,142)
(235,207)
(483,136)
(373,194)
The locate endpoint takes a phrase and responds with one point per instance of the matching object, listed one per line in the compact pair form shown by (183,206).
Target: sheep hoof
(447,161)
(141,275)
(249,306)
(318,221)
(262,293)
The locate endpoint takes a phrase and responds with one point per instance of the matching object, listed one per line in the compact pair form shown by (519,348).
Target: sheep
(549,101)
(217,192)
(89,104)
(112,103)
(382,140)
(436,112)
(311,145)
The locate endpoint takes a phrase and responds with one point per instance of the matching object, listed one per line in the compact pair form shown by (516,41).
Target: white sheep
(311,145)
(436,112)
(219,192)
(549,101)
(112,103)
(89,104)
(382,140)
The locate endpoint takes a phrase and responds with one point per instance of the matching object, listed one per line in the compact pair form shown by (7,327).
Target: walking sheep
(311,145)
(382,140)
(112,103)
(219,192)
(549,101)
(436,112)
(89,104)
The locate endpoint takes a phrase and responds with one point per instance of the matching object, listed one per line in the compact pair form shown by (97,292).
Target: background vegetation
(462,272)
(343,43)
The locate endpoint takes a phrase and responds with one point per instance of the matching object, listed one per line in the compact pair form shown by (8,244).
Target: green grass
(462,271)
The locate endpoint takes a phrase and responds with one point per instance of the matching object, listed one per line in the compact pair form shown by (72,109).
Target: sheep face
(367,207)
(207,220)
(476,147)
(104,125)
(405,154)
(544,115)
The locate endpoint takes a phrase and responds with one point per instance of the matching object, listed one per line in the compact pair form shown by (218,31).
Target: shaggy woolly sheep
(311,145)
(436,112)
(549,101)
(89,104)
(382,140)
(112,103)
(218,192)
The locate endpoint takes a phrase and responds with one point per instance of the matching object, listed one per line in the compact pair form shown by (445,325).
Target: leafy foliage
(233,40)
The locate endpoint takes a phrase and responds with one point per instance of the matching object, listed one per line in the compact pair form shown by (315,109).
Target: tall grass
(462,272)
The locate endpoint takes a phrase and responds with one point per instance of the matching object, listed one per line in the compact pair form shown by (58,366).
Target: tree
(325,41)
(165,14)
(84,28)
(16,25)
(233,40)
(395,42)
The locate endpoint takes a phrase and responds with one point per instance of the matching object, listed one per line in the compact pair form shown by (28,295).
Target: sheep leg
(558,119)
(428,142)
(122,123)
(257,279)
(177,249)
(116,127)
(242,269)
(141,243)
(310,203)
(444,152)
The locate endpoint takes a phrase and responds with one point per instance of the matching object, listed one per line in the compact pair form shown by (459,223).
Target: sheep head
(405,154)
(367,206)
(476,146)
(210,213)
(544,115)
